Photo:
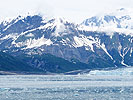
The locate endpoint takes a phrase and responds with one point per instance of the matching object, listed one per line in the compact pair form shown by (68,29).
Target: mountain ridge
(119,21)
(33,35)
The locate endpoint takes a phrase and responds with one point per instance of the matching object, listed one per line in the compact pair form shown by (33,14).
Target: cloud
(13,8)
(75,10)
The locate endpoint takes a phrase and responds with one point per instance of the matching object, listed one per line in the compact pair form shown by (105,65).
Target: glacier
(121,72)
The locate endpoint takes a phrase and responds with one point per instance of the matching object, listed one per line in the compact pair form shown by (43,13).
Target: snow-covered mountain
(88,43)
(120,20)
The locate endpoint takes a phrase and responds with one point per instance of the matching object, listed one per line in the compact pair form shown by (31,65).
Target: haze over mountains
(58,45)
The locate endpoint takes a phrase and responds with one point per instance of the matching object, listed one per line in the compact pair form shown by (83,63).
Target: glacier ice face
(121,72)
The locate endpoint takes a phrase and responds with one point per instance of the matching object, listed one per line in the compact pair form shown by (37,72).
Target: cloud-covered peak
(118,21)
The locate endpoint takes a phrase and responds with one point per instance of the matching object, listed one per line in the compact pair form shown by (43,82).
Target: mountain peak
(33,34)
(118,21)
(122,9)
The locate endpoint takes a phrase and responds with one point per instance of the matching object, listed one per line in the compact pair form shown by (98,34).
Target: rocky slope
(12,64)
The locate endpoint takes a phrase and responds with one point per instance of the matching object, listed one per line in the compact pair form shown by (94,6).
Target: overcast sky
(74,10)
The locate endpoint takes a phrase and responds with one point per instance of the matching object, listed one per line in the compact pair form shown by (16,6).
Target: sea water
(66,87)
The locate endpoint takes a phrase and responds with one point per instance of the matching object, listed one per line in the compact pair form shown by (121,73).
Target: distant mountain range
(59,46)
(119,21)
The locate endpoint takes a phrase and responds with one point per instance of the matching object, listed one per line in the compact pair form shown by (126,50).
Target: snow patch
(123,53)
(60,27)
(83,41)
(131,51)
(30,35)
(13,36)
(105,50)
(32,43)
